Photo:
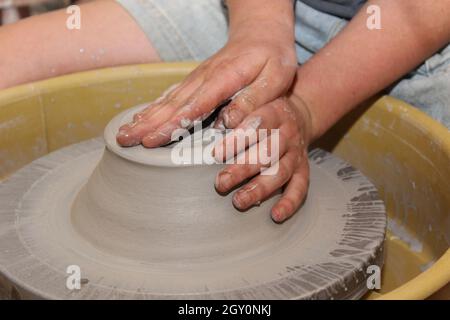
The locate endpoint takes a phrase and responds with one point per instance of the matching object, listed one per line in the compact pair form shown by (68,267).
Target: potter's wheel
(176,237)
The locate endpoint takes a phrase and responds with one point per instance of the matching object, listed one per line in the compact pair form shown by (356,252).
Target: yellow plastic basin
(405,153)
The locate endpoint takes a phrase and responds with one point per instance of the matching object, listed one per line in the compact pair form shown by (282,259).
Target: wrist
(311,91)
(263,18)
(306,120)
(255,29)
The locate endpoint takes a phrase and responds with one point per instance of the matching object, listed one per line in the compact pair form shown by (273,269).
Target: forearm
(268,17)
(360,62)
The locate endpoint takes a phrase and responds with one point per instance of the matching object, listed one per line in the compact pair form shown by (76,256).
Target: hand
(259,60)
(293,119)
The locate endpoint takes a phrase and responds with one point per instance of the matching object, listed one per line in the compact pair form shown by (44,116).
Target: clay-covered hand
(286,148)
(259,64)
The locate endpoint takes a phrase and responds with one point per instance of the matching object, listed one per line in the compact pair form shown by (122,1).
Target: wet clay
(139,226)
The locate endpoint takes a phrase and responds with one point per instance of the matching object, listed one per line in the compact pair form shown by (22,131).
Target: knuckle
(279,78)
(243,170)
(284,138)
(283,172)
(247,100)
(232,108)
(291,133)
(226,68)
(261,191)
(290,203)
(300,188)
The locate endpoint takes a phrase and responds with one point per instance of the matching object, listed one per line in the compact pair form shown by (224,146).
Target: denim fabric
(180,29)
(340,8)
(427,87)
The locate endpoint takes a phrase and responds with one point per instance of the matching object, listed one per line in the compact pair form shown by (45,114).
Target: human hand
(259,62)
(293,120)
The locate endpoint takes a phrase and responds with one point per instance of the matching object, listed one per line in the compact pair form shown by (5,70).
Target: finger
(180,91)
(271,83)
(162,133)
(294,193)
(249,131)
(131,134)
(218,123)
(219,84)
(157,113)
(249,163)
(263,186)
(141,114)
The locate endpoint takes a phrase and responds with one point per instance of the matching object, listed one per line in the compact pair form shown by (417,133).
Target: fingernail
(123,138)
(231,117)
(226,119)
(241,199)
(279,214)
(223,181)
(150,137)
(122,134)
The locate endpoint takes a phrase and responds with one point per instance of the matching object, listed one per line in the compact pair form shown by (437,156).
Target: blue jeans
(194,30)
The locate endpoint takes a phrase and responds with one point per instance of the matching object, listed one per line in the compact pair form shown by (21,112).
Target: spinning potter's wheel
(138,226)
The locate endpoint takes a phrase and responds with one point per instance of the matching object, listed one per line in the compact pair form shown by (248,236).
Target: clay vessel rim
(161,156)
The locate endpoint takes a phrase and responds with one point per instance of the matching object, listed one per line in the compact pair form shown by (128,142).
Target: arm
(360,62)
(259,57)
(354,66)
(262,13)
